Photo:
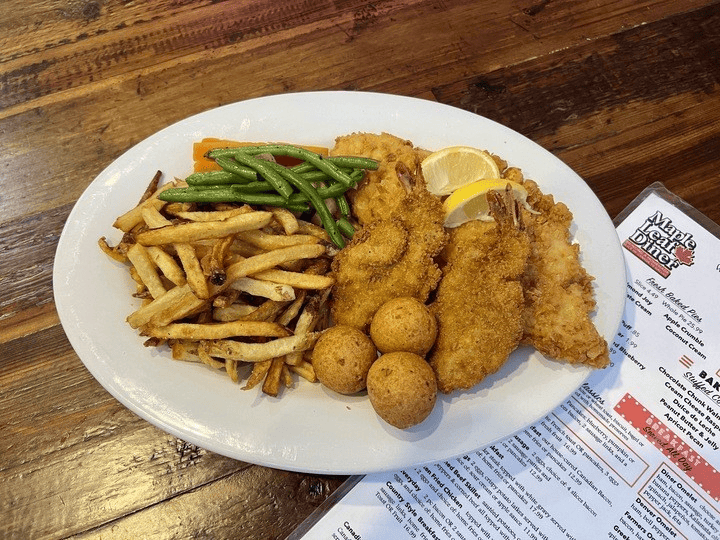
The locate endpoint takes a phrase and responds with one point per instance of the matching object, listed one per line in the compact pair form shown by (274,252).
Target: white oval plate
(310,428)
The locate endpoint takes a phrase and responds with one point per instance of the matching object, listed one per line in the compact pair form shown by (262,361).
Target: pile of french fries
(227,285)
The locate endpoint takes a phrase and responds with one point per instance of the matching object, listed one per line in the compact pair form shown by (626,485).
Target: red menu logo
(661,245)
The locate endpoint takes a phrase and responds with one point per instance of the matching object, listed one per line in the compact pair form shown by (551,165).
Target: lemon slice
(456,166)
(470,202)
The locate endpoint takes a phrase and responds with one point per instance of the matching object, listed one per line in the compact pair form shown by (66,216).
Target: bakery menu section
(632,454)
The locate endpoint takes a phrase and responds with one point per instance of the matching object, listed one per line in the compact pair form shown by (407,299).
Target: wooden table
(627,92)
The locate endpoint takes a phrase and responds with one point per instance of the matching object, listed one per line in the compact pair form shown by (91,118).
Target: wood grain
(624,91)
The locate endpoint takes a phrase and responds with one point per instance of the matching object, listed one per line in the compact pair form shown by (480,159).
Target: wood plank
(116,43)
(107,463)
(254,504)
(28,246)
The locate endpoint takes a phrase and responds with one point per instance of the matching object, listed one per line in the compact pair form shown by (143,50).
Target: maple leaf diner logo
(661,245)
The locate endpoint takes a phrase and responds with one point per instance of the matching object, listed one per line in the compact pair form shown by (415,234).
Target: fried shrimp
(391,257)
(381,190)
(480,299)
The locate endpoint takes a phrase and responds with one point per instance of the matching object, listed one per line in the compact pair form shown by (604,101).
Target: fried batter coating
(391,257)
(558,290)
(480,298)
(381,190)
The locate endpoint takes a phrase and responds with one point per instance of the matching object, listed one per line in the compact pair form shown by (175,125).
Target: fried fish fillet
(381,190)
(392,256)
(559,298)
(480,300)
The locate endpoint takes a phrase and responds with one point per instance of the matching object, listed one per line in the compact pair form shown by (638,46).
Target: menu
(631,454)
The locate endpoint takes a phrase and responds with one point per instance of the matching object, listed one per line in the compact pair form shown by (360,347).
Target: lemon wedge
(470,201)
(456,166)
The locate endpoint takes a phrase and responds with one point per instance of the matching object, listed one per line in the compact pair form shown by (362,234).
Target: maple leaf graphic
(684,255)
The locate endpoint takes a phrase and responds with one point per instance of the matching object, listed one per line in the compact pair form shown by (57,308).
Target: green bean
(317,202)
(230,194)
(302,168)
(343,205)
(325,165)
(219,177)
(345,227)
(268,172)
(204,195)
(230,165)
(254,187)
(353,162)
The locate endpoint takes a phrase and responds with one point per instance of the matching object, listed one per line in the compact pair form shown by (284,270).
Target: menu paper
(632,454)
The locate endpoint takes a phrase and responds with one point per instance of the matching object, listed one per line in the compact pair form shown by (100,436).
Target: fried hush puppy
(342,357)
(402,389)
(403,324)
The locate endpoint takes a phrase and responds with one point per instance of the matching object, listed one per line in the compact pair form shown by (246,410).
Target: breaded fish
(558,290)
(392,256)
(479,302)
(381,190)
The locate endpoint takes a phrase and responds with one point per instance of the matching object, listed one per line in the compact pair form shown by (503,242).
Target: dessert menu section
(632,454)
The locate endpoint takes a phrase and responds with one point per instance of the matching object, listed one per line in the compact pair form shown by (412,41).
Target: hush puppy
(402,388)
(342,357)
(403,324)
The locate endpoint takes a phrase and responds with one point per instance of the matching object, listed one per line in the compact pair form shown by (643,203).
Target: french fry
(132,218)
(233,312)
(293,309)
(267,311)
(257,352)
(266,261)
(266,289)
(152,187)
(146,270)
(305,370)
(193,271)
(217,260)
(305,227)
(185,350)
(113,253)
(269,242)
(271,385)
(167,265)
(285,218)
(298,280)
(153,218)
(259,371)
(175,304)
(210,215)
(287,376)
(216,331)
(306,323)
(193,231)
(205,358)
(231,366)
